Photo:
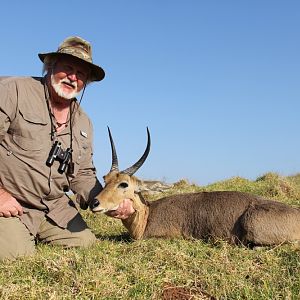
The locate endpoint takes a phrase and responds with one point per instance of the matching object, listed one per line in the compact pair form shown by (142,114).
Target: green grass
(119,268)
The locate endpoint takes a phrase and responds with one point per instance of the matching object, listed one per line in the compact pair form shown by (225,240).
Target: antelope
(237,217)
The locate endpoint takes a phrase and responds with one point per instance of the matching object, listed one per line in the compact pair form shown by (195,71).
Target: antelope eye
(123,185)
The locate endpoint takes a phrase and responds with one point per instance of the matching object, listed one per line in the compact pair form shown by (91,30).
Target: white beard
(57,88)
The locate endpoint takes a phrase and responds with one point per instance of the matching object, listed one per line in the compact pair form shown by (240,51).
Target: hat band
(77,52)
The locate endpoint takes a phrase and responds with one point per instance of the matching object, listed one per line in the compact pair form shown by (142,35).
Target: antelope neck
(137,222)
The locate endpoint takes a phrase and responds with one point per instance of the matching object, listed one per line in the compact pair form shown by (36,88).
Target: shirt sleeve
(86,185)
(8,104)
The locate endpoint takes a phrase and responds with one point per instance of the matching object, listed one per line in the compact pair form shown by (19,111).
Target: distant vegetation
(270,185)
(118,268)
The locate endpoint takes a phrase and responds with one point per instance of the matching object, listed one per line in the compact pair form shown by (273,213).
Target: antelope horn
(114,164)
(131,170)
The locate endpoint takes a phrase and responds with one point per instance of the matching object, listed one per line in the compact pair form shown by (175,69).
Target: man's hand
(124,210)
(9,206)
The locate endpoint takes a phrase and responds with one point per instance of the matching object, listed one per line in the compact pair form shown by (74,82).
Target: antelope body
(233,216)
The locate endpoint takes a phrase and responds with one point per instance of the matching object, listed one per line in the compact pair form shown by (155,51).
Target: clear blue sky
(217,82)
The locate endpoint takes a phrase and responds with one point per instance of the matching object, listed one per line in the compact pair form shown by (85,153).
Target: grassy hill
(118,268)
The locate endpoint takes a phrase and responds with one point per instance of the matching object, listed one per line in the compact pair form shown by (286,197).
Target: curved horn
(131,170)
(114,163)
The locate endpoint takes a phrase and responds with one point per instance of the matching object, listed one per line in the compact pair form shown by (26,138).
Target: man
(46,151)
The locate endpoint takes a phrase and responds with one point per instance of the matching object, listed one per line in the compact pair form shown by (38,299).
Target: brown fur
(233,216)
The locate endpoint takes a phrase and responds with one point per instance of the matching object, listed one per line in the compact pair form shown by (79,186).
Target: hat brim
(97,73)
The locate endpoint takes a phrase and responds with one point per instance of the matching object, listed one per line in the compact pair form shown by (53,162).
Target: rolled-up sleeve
(86,185)
(8,102)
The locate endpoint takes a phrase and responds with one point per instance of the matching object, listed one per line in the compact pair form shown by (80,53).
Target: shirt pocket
(80,152)
(30,132)
(26,143)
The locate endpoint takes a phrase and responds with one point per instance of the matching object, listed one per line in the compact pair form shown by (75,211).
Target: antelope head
(120,185)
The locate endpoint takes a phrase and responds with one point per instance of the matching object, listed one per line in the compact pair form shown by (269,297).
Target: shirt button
(9,153)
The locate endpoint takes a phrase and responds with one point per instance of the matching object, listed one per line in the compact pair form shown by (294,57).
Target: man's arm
(87,185)
(9,206)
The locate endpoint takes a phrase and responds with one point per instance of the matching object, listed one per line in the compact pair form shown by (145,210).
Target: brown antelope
(229,215)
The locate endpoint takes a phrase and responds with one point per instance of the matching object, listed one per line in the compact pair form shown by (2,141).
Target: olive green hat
(77,47)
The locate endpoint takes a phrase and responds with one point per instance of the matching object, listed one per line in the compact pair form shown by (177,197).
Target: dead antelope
(233,216)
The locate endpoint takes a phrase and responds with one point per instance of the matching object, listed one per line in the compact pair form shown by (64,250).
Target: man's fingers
(11,213)
(19,209)
(9,206)
(124,210)
(6,214)
(14,212)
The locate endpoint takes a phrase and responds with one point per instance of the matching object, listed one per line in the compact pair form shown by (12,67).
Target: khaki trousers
(16,240)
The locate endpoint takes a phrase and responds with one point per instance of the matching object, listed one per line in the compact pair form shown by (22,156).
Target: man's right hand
(9,206)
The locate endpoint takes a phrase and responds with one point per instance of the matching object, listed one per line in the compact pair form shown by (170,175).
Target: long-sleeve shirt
(26,138)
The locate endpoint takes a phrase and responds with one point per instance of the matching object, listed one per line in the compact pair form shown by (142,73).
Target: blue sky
(216,82)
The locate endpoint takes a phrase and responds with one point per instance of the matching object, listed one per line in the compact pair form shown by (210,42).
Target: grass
(118,268)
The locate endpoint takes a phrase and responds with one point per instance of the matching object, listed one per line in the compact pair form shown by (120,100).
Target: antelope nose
(94,204)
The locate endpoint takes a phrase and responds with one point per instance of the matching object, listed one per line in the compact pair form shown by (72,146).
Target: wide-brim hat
(80,49)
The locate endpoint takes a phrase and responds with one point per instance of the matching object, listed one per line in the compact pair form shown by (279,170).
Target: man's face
(69,77)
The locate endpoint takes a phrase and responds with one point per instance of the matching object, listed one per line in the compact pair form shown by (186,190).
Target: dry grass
(118,268)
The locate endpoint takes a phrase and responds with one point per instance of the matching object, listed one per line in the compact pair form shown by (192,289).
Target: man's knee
(77,234)
(84,239)
(15,239)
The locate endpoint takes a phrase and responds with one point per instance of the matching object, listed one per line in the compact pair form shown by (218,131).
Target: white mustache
(59,91)
(71,83)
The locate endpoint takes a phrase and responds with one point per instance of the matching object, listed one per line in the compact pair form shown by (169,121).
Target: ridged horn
(114,157)
(131,170)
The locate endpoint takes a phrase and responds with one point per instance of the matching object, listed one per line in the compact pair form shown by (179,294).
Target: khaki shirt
(25,143)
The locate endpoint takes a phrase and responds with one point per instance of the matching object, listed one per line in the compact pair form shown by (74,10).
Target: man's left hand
(124,210)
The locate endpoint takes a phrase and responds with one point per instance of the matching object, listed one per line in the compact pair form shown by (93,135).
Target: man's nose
(72,77)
